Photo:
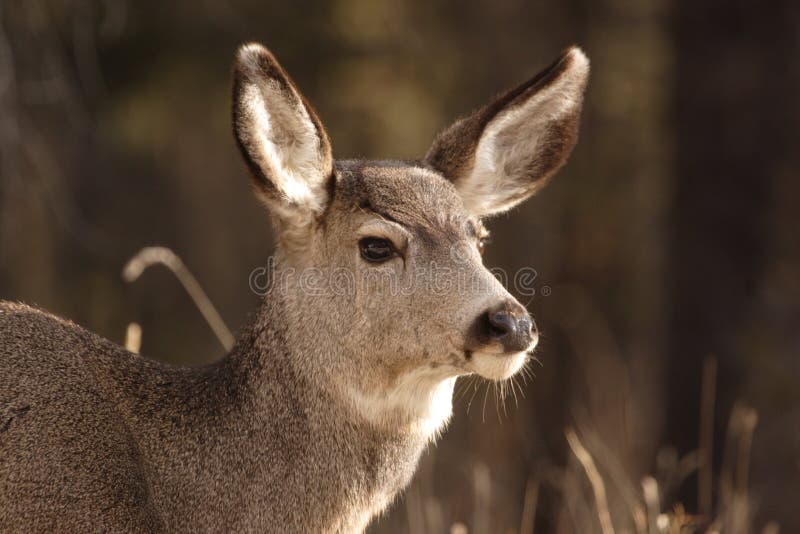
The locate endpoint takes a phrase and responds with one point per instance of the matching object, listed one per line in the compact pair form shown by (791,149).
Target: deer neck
(410,403)
(279,408)
(365,445)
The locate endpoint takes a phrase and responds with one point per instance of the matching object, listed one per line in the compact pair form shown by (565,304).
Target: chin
(498,367)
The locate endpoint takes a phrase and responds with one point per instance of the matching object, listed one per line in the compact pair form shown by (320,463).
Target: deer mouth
(496,365)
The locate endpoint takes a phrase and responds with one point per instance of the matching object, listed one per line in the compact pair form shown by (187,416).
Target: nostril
(525,325)
(501,323)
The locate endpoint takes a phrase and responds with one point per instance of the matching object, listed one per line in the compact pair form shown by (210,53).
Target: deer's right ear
(281,138)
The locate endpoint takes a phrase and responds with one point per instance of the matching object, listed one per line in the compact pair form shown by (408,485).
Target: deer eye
(376,249)
(482,242)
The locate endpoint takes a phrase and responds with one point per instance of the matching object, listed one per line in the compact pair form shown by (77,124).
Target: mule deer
(317,417)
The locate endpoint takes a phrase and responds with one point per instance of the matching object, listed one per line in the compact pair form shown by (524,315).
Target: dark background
(670,239)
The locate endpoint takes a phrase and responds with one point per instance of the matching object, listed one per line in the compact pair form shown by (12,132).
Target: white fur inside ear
(287,144)
(515,136)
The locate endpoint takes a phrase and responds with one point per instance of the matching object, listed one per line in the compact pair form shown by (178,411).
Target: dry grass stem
(481,523)
(706,432)
(653,503)
(529,507)
(596,481)
(149,256)
(133,338)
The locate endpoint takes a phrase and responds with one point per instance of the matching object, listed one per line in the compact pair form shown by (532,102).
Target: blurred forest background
(671,238)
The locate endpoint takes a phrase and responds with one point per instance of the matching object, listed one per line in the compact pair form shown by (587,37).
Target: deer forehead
(415,197)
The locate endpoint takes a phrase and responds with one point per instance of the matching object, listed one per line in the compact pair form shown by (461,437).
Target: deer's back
(63,439)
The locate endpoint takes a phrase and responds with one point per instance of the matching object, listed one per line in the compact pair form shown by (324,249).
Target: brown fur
(316,419)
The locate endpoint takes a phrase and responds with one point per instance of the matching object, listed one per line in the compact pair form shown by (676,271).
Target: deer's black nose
(510,325)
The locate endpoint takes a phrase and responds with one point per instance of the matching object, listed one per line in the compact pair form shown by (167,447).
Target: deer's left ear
(504,152)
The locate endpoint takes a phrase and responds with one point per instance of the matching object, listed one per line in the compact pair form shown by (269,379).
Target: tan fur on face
(402,346)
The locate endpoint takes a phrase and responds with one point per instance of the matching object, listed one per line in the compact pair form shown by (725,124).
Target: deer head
(378,266)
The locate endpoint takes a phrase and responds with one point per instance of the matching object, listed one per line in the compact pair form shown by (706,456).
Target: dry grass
(594,474)
(150,256)
(597,494)
(586,482)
